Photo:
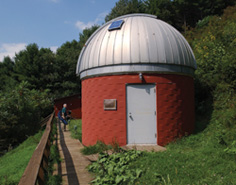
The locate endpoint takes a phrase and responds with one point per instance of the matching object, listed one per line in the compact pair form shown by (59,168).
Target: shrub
(21,110)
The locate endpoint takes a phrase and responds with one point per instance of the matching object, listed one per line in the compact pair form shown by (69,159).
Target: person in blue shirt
(63,111)
(62,115)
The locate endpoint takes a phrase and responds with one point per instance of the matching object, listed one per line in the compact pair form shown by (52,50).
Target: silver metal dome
(139,43)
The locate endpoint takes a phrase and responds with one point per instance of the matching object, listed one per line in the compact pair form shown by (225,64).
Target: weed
(115,146)
(97,148)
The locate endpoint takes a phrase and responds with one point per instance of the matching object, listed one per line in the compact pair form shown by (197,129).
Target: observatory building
(137,83)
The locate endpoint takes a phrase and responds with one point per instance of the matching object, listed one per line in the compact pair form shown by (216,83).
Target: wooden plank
(32,170)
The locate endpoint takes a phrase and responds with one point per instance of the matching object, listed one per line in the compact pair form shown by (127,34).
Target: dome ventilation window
(116,25)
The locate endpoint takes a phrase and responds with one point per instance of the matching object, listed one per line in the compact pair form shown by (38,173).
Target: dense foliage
(179,13)
(214,49)
(30,82)
(21,110)
(214,44)
(42,69)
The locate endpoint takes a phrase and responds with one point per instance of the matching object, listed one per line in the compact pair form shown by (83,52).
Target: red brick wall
(175,107)
(73,104)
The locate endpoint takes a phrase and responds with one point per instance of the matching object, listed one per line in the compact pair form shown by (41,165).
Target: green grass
(13,163)
(197,159)
(192,160)
(207,157)
(75,127)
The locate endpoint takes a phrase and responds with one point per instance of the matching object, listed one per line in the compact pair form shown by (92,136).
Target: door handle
(130,114)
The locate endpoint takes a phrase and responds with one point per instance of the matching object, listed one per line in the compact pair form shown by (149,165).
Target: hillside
(207,156)
(13,163)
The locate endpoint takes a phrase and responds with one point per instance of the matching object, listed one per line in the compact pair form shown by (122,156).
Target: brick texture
(175,107)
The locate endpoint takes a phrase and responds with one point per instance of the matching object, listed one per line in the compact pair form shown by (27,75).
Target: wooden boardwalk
(73,165)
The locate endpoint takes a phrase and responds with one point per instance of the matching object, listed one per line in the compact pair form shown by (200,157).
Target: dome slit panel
(134,39)
(167,44)
(110,48)
(103,52)
(86,57)
(95,52)
(185,51)
(191,55)
(83,65)
(144,41)
(117,52)
(174,45)
(90,61)
(160,42)
(126,41)
(171,58)
(179,46)
(99,38)
(122,32)
(93,56)
(80,64)
(152,43)
(102,37)
(114,47)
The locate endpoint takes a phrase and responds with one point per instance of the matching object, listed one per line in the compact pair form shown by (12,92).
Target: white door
(141,114)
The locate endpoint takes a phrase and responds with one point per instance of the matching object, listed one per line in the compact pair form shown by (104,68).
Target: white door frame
(128,117)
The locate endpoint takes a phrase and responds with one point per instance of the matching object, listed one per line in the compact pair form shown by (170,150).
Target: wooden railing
(35,171)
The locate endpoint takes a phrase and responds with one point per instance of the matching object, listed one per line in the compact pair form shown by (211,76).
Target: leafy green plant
(114,169)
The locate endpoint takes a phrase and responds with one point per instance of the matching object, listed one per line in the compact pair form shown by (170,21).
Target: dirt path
(73,163)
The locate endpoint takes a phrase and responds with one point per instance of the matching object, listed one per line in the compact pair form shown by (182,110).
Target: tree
(35,66)
(163,9)
(47,60)
(182,14)
(189,12)
(6,72)
(124,7)
(27,65)
(87,32)
(214,49)
(66,81)
(21,110)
